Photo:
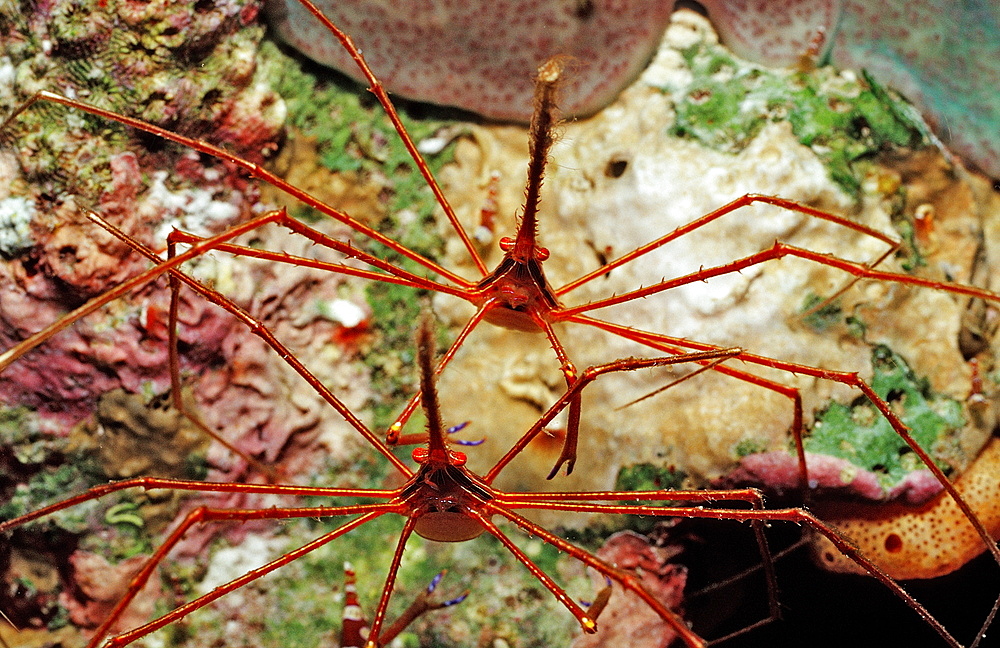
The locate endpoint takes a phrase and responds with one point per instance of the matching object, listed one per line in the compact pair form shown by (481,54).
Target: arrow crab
(534,303)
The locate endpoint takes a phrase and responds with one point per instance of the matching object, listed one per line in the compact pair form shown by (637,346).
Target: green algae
(122,517)
(748,447)
(302,602)
(51,484)
(819,314)
(50,470)
(846,121)
(647,476)
(861,434)
(19,431)
(353,135)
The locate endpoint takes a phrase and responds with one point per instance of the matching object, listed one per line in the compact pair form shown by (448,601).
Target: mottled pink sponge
(483,56)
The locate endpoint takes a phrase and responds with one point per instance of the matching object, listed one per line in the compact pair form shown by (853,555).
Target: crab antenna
(436,446)
(540,138)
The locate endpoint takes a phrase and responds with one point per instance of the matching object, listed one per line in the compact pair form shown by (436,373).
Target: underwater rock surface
(621,166)
(480,56)
(626,164)
(941,55)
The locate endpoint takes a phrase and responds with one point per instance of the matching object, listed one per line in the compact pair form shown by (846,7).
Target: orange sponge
(923,542)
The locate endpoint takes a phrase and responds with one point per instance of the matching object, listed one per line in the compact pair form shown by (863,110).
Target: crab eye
(455,458)
(507,244)
(541,254)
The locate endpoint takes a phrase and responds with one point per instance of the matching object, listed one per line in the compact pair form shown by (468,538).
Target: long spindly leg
(256,327)
(567,455)
(204,514)
(255,170)
(376,88)
(751,496)
(588,376)
(367,512)
(728,208)
(778,251)
(389,274)
(383,603)
(680,346)
(624,578)
(142,279)
(154,483)
(793,515)
(176,393)
(586,622)
(569,450)
(849,378)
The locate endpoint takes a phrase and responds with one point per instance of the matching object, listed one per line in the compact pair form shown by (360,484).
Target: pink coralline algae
(64,269)
(627,620)
(828,475)
(56,163)
(68,266)
(98,585)
(941,55)
(481,56)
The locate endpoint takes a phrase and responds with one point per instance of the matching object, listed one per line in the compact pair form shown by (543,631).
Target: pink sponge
(482,56)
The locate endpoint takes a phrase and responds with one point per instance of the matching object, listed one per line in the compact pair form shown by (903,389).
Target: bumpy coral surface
(59,161)
(627,619)
(91,404)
